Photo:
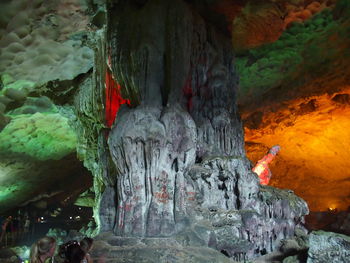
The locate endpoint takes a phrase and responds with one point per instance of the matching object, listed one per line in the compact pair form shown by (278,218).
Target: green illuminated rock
(42,136)
(7,190)
(19,84)
(304,52)
(15,90)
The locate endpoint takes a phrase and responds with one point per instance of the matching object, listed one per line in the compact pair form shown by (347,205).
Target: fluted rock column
(152,151)
(173,163)
(178,73)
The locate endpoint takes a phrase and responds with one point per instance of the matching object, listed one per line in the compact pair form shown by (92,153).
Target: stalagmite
(174,161)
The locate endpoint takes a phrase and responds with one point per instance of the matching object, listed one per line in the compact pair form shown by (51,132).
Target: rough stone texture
(107,216)
(332,221)
(41,136)
(263,22)
(342,222)
(40,42)
(172,167)
(43,56)
(328,247)
(37,40)
(86,198)
(90,127)
(16,188)
(153,147)
(219,182)
(295,166)
(151,151)
(303,107)
(188,140)
(109,248)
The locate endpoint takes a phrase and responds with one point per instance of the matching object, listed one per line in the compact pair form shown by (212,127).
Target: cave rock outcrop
(328,246)
(172,167)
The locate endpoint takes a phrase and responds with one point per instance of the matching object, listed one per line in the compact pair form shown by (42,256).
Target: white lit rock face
(173,172)
(328,247)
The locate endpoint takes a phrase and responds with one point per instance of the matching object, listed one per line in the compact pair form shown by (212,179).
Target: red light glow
(114,99)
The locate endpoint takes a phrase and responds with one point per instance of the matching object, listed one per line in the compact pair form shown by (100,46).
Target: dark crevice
(224,252)
(175,165)
(199,159)
(61,91)
(236,191)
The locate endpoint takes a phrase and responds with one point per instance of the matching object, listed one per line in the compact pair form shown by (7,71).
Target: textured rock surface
(151,152)
(173,165)
(29,180)
(46,43)
(35,146)
(110,248)
(43,57)
(35,40)
(295,166)
(328,247)
(302,85)
(156,146)
(42,136)
(254,23)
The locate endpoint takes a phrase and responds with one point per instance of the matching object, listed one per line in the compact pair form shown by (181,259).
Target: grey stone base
(110,248)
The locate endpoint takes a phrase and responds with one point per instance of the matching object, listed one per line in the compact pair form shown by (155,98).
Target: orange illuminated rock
(258,23)
(314,133)
(262,166)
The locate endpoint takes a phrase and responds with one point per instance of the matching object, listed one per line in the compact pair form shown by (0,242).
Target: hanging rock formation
(172,168)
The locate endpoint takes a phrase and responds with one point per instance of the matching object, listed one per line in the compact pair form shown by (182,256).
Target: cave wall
(46,51)
(43,58)
(295,93)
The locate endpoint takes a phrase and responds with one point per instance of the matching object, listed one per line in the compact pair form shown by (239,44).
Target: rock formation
(328,247)
(172,166)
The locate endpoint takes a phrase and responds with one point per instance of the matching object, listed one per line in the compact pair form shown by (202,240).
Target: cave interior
(140,122)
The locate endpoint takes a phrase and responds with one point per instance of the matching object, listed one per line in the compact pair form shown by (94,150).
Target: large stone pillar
(173,163)
(178,72)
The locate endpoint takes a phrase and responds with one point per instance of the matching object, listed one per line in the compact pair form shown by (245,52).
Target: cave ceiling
(293,59)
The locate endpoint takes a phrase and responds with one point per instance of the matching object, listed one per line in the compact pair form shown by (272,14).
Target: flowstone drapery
(173,164)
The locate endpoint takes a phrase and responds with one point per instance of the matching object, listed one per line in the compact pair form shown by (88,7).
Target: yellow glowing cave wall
(315,156)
